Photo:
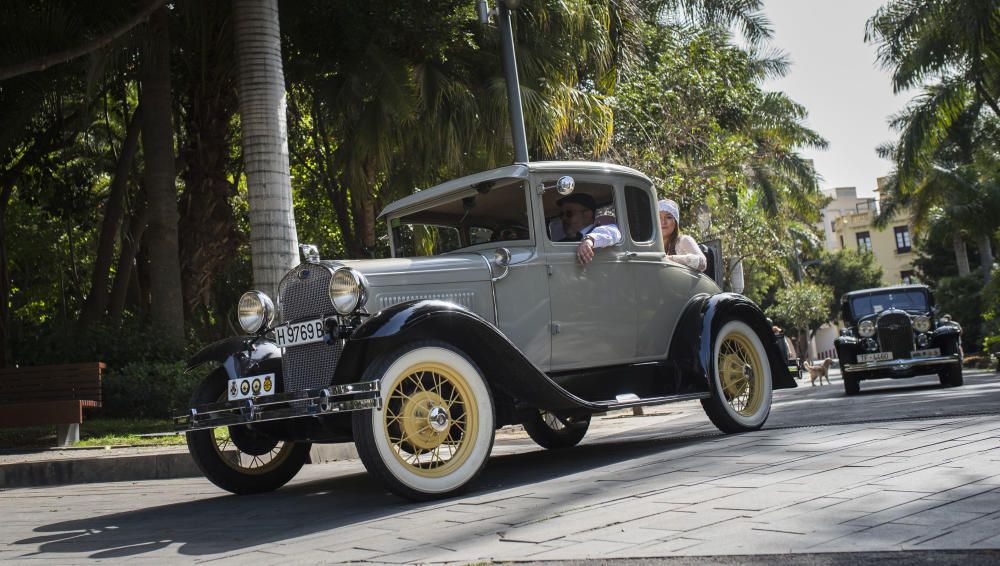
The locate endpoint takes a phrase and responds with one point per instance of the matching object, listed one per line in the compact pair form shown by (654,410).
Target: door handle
(631,255)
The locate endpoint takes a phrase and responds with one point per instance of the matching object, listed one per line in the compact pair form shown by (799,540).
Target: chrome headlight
(866,328)
(255,311)
(348,290)
(921,323)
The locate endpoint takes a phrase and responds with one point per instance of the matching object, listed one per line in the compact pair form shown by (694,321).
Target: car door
(592,306)
(662,288)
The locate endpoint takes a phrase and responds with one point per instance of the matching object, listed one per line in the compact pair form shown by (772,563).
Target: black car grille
(895,334)
(302,295)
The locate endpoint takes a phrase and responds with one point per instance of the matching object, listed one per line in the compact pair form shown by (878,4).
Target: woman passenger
(680,248)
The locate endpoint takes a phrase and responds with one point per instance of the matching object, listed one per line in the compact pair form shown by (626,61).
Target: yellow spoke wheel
(740,380)
(741,373)
(429,420)
(434,432)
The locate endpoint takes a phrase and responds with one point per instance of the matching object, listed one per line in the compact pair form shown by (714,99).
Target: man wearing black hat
(577,213)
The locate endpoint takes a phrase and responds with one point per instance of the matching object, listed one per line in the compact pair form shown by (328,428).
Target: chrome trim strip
(611,405)
(310,403)
(900,364)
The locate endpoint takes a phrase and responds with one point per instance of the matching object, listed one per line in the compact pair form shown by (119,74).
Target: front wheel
(740,381)
(554,432)
(852,385)
(434,432)
(951,376)
(239,458)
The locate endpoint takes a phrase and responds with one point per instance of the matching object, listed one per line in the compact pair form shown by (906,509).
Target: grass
(97,432)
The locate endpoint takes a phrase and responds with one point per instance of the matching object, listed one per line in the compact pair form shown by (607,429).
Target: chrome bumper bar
(309,403)
(900,364)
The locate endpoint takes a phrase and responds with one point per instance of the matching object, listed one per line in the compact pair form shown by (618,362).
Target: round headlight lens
(347,290)
(866,328)
(921,323)
(255,311)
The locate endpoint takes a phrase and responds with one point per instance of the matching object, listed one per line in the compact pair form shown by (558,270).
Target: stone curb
(156,466)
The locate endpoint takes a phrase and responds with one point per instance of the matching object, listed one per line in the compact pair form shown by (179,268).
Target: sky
(834,75)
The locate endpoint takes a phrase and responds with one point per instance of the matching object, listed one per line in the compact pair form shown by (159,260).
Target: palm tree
(273,241)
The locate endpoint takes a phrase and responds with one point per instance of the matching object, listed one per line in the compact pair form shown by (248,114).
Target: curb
(157,466)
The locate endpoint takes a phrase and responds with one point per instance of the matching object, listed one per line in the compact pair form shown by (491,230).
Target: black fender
(510,374)
(693,342)
(847,348)
(241,356)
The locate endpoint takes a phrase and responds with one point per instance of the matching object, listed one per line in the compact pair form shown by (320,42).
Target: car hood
(456,268)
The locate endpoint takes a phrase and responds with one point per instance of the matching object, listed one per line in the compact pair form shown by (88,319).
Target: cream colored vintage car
(481,318)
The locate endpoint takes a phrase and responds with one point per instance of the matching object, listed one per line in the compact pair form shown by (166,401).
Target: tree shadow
(227,523)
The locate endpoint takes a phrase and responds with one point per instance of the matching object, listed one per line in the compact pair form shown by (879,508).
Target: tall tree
(167,304)
(261,83)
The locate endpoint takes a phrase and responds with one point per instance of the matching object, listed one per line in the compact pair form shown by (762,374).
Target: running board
(624,403)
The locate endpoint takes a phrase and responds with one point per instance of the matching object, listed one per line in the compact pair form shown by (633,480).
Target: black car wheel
(741,380)
(852,385)
(951,376)
(240,459)
(554,432)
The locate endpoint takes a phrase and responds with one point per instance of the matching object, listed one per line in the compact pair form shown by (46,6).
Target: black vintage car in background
(892,332)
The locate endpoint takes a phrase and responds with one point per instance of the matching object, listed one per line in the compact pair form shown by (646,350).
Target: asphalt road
(906,467)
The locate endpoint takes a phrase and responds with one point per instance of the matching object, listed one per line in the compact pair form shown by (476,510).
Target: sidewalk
(60,466)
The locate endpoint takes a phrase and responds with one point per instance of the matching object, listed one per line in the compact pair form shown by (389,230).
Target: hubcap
(741,374)
(430,419)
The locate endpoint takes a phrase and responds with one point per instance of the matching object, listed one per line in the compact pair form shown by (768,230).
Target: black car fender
(505,367)
(947,337)
(241,356)
(693,342)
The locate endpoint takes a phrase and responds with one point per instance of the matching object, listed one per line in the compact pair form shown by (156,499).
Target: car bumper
(311,403)
(901,365)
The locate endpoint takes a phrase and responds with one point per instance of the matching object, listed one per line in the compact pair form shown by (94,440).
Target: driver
(577,212)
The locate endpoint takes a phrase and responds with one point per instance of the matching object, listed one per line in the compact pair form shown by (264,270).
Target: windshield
(473,218)
(913,301)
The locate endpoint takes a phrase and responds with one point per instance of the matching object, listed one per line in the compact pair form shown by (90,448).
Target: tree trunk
(126,264)
(261,87)
(209,237)
(961,255)
(985,256)
(5,194)
(167,304)
(97,301)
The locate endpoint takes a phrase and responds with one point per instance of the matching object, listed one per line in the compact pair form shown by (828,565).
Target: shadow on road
(225,524)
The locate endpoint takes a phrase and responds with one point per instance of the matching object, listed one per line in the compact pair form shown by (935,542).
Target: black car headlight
(348,290)
(866,328)
(921,323)
(255,311)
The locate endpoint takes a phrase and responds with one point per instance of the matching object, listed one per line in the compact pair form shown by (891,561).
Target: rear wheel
(434,432)
(554,432)
(741,380)
(241,459)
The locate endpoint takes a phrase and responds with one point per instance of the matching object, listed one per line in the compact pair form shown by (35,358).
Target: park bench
(50,395)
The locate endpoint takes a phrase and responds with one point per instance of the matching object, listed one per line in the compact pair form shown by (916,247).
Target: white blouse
(689,254)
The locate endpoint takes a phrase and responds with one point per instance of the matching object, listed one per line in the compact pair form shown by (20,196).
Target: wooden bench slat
(42,413)
(49,376)
(94,366)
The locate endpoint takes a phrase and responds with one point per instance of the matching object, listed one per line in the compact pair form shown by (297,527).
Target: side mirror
(564,185)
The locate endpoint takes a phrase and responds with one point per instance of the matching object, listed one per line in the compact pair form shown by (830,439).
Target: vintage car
(481,318)
(892,332)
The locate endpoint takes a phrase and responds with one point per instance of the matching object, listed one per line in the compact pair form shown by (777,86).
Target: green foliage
(802,306)
(962,298)
(991,312)
(149,390)
(844,271)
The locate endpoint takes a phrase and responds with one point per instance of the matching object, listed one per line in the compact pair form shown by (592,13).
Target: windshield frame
(853,302)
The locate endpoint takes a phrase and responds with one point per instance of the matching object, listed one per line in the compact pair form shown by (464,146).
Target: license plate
(928,353)
(299,333)
(875,357)
(253,386)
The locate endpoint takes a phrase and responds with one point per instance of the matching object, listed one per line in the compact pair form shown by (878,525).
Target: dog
(819,371)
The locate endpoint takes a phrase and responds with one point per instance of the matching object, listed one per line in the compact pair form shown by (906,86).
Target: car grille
(895,334)
(303,294)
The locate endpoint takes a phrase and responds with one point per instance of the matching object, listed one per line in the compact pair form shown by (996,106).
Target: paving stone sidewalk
(888,486)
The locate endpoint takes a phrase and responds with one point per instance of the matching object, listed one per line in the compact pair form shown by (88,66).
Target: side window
(640,214)
(589,205)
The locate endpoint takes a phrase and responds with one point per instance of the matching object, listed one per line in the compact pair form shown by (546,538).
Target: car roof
(879,290)
(517,171)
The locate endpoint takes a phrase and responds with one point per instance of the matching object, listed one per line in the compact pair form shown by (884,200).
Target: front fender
(241,356)
(693,343)
(503,364)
